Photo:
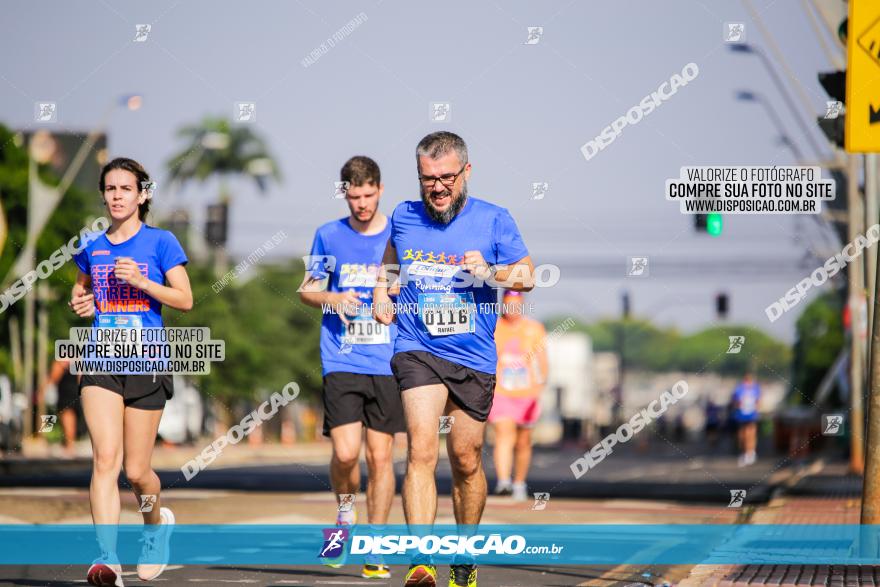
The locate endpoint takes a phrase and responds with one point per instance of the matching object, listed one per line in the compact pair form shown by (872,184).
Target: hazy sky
(524,109)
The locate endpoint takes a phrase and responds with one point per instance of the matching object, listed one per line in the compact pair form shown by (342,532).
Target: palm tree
(218,148)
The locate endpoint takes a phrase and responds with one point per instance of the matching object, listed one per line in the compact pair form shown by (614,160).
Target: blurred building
(57,150)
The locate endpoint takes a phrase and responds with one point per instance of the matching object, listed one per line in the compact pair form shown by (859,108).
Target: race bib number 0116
(444,314)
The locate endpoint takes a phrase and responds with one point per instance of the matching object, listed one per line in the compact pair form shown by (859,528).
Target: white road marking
(223,580)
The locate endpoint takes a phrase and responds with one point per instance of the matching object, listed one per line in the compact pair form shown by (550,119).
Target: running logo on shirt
(112,295)
(358,275)
(432,257)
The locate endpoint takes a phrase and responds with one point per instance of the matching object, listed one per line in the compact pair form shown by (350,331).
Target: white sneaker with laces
(157,547)
(105,571)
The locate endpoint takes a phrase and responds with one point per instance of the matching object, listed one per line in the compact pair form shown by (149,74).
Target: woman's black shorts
(146,392)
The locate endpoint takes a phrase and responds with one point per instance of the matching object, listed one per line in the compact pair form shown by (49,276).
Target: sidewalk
(170,456)
(41,463)
(832,497)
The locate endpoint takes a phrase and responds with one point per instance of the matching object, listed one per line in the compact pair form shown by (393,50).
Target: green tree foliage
(707,350)
(820,338)
(76,209)
(650,348)
(271,337)
(217,148)
(645,346)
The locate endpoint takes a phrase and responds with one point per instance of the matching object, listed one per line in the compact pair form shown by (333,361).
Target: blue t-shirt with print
(154,250)
(350,261)
(746,397)
(442,310)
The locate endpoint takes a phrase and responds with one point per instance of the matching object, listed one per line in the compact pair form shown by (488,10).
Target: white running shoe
(520,492)
(157,547)
(503,487)
(348,518)
(105,571)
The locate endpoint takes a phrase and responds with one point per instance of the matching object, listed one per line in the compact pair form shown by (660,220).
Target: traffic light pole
(871,482)
(855,276)
(872,215)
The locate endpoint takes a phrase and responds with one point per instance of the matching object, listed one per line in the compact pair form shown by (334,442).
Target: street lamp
(749,96)
(747,49)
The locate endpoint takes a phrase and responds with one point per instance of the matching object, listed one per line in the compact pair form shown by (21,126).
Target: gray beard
(446,216)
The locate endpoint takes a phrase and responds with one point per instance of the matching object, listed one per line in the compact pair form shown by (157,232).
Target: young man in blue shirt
(359,388)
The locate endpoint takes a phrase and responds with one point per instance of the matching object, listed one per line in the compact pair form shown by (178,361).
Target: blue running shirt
(364,346)
(154,250)
(746,397)
(450,322)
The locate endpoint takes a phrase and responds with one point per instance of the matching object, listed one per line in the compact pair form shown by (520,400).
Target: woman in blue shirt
(125,277)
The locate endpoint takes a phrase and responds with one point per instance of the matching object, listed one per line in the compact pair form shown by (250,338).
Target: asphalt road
(532,576)
(680,472)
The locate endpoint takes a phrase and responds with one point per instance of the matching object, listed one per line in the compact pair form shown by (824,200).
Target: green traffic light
(714,224)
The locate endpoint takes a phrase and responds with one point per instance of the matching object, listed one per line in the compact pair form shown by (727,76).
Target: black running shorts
(470,390)
(373,400)
(144,392)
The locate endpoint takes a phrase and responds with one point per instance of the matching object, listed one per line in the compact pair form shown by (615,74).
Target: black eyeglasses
(447,180)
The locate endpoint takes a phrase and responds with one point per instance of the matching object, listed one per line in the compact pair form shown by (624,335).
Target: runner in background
(67,385)
(521,374)
(359,389)
(746,398)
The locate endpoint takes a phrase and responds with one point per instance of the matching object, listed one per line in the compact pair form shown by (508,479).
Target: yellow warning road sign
(863,77)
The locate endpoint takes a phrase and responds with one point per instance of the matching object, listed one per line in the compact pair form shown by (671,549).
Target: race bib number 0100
(364,330)
(444,314)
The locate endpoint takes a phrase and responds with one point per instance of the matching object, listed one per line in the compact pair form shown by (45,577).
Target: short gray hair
(439,143)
